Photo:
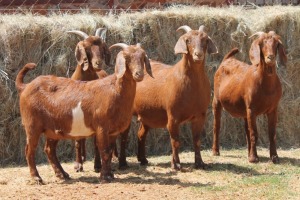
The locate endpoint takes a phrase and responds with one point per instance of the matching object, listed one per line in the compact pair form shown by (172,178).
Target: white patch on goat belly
(78,126)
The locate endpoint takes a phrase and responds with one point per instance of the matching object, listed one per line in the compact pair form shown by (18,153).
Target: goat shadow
(137,174)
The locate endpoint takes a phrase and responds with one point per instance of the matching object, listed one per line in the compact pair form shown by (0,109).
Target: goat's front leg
(105,149)
(197,128)
(97,159)
(251,119)
(173,129)
(50,150)
(247,136)
(217,110)
(142,134)
(122,157)
(272,121)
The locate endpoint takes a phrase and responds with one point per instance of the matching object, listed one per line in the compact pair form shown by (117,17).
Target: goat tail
(231,53)
(20,85)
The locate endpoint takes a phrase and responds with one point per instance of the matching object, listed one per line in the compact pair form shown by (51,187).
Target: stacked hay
(41,39)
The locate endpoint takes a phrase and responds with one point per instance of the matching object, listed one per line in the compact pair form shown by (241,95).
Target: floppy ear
(211,47)
(148,66)
(120,65)
(180,46)
(107,54)
(254,53)
(81,56)
(282,54)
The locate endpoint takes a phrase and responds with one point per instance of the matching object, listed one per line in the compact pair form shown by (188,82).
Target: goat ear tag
(180,46)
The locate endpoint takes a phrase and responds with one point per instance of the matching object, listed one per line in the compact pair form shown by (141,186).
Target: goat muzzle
(138,76)
(198,56)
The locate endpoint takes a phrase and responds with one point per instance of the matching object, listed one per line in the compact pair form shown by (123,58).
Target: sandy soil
(155,181)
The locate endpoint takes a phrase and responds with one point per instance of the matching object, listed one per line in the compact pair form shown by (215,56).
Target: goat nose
(271,57)
(138,74)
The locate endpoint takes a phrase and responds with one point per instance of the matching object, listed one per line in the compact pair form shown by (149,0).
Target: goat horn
(202,28)
(122,45)
(101,32)
(257,33)
(80,33)
(185,27)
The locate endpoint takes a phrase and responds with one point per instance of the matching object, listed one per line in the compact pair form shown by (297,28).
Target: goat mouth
(198,58)
(138,78)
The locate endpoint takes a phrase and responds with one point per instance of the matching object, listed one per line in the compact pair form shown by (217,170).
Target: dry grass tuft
(41,39)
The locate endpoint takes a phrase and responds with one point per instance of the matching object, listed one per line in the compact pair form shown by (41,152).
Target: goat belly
(78,128)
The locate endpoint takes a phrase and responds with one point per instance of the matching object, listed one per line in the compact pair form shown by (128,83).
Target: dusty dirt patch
(230,176)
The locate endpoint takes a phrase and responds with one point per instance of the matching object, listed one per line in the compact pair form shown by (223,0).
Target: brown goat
(247,91)
(63,108)
(92,54)
(178,94)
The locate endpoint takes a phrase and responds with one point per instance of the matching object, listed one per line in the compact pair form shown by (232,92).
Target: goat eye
(188,41)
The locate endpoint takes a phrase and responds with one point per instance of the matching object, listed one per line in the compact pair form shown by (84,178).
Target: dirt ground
(229,176)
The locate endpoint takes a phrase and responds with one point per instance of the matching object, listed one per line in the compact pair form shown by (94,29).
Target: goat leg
(217,109)
(97,159)
(78,166)
(142,133)
(247,136)
(30,148)
(197,128)
(251,119)
(174,135)
(272,120)
(50,150)
(122,158)
(105,149)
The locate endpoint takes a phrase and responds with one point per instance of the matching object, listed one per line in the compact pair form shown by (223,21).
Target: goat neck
(187,65)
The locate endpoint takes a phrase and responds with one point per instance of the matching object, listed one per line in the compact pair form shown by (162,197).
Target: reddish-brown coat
(247,91)
(177,94)
(92,54)
(46,105)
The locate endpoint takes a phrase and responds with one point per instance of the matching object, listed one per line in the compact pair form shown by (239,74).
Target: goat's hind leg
(272,120)
(50,150)
(142,134)
(122,157)
(217,111)
(30,149)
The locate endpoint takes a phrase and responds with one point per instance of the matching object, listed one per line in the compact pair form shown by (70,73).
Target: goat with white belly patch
(63,108)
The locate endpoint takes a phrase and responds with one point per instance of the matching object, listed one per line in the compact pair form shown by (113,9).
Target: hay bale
(41,39)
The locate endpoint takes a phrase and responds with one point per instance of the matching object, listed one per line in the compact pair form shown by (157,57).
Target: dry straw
(43,39)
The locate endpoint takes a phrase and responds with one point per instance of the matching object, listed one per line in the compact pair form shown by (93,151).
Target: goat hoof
(201,165)
(78,167)
(97,170)
(106,178)
(64,176)
(37,180)
(176,166)
(123,165)
(216,153)
(143,161)
(253,159)
(275,159)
